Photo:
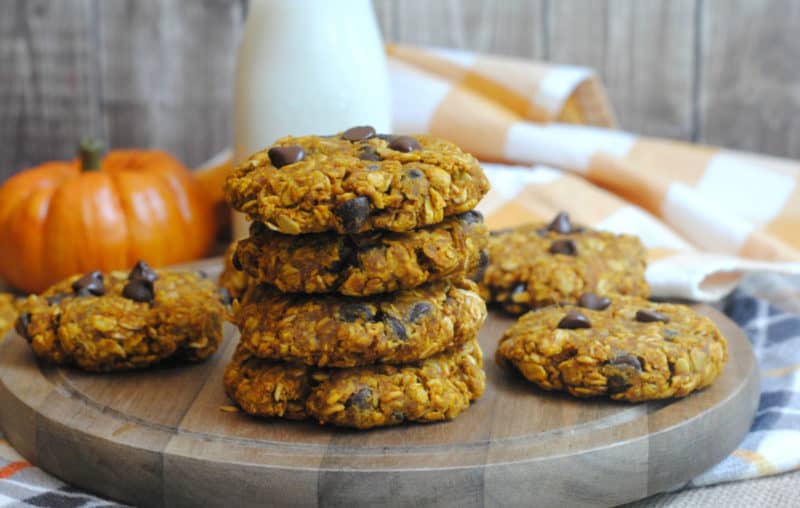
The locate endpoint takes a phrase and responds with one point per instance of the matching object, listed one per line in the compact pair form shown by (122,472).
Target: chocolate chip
(225,296)
(626,360)
(483,262)
(415,173)
(347,257)
(396,326)
(139,290)
(483,259)
(565,246)
(500,232)
(360,399)
(398,416)
(56,298)
(359,133)
(404,144)
(368,153)
(22,324)
(90,284)
(235,261)
(419,310)
(283,155)
(202,274)
(353,213)
(561,224)
(574,320)
(650,316)
(472,217)
(142,270)
(258,228)
(352,312)
(593,301)
(617,384)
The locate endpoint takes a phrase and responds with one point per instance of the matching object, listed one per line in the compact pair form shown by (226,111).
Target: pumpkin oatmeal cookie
(8,313)
(625,347)
(356,181)
(121,321)
(438,388)
(232,279)
(535,265)
(367,263)
(339,331)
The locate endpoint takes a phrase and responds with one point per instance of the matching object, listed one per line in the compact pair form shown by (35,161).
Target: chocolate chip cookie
(367,263)
(625,347)
(339,331)
(534,265)
(438,388)
(356,181)
(120,321)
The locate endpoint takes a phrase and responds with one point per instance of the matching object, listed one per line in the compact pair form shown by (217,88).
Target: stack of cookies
(358,309)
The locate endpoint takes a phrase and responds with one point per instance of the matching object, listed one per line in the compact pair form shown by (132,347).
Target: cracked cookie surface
(340,331)
(627,348)
(356,183)
(367,263)
(438,388)
(121,321)
(535,265)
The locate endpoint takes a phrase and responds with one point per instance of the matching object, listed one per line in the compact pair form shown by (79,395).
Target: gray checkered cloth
(767,307)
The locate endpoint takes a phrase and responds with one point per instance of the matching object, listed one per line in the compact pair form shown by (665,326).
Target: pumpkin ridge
(19,247)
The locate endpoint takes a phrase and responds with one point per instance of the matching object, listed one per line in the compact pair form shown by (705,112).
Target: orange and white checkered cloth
(705,214)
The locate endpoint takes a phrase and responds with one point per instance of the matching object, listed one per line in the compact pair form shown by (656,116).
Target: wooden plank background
(157,73)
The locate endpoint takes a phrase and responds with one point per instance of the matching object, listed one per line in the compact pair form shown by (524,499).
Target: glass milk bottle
(307,67)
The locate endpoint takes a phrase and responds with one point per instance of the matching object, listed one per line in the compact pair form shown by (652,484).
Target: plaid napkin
(773,443)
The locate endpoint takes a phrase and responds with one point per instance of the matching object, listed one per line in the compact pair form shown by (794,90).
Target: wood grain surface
(159,438)
(643,52)
(158,73)
(749,61)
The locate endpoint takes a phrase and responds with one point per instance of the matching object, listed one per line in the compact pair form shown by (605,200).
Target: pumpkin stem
(90,152)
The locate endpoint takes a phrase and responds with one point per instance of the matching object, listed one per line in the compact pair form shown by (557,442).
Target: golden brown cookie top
(626,347)
(356,181)
(143,286)
(638,319)
(124,320)
(538,264)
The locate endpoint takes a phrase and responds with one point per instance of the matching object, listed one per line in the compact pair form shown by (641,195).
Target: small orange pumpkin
(62,218)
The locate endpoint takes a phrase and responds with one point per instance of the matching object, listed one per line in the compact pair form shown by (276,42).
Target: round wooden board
(159,438)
